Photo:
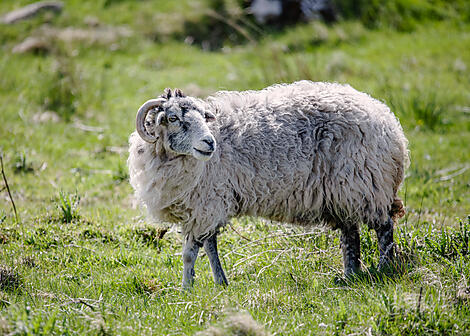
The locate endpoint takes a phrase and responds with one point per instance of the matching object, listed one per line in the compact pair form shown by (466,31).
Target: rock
(101,35)
(46,117)
(46,37)
(31,11)
(91,21)
(35,45)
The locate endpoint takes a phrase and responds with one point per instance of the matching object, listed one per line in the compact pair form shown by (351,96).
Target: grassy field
(83,259)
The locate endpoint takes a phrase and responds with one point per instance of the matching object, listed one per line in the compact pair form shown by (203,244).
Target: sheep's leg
(386,244)
(351,246)
(210,246)
(190,250)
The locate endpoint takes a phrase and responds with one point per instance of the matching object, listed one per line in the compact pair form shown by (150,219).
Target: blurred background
(73,73)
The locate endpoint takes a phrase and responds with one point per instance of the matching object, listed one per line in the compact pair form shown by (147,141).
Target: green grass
(84,260)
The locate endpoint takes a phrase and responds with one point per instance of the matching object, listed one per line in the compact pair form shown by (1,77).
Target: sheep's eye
(209,117)
(172,118)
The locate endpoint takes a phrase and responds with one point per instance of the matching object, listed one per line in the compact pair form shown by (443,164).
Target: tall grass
(60,88)
(402,14)
(421,108)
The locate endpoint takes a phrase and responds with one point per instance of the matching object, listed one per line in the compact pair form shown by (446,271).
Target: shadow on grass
(10,280)
(392,272)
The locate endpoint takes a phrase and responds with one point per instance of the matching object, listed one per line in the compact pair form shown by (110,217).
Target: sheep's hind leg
(351,246)
(190,251)
(386,244)
(210,246)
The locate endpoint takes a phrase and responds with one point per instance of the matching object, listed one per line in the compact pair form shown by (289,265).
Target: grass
(84,260)
(68,206)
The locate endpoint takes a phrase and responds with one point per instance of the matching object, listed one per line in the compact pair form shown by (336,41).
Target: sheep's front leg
(386,244)
(190,250)
(210,246)
(351,246)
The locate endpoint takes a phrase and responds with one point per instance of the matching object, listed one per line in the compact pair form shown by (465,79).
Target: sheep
(302,153)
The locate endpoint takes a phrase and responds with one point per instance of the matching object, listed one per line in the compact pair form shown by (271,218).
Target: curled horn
(142,114)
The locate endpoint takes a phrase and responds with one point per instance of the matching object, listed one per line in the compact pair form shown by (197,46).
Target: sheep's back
(297,152)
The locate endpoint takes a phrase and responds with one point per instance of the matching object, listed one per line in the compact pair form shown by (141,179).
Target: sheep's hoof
(388,259)
(353,270)
(188,286)
(393,266)
(385,265)
(347,277)
(223,283)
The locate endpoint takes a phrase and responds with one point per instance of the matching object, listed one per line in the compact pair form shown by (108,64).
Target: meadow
(81,258)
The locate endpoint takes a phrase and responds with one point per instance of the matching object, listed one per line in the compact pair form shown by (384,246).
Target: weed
(21,165)
(68,205)
(7,187)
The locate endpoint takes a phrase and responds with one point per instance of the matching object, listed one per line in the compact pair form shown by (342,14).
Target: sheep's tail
(398,209)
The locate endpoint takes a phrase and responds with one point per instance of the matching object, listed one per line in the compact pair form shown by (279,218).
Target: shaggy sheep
(299,153)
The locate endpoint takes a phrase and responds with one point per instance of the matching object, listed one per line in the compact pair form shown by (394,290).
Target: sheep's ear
(209,116)
(179,93)
(160,119)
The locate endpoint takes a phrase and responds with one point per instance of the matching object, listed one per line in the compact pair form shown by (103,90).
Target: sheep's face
(185,128)
(181,124)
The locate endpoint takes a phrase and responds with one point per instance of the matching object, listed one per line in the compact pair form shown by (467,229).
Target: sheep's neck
(180,174)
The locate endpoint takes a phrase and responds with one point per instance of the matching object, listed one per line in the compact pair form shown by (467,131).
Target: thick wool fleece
(303,153)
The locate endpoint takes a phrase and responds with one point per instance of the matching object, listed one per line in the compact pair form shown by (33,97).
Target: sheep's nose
(210,142)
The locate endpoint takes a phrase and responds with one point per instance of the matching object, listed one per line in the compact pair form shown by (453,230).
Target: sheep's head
(180,122)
